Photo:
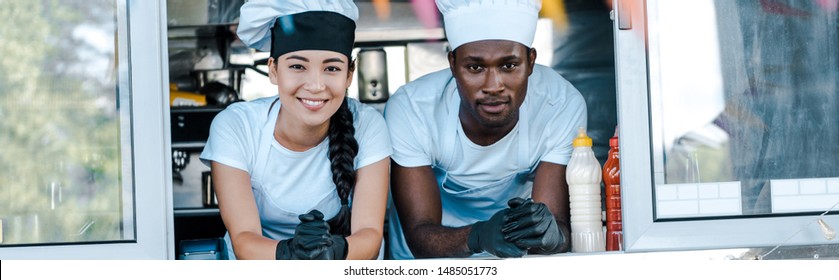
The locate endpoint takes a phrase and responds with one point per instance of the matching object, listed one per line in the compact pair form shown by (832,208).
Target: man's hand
(487,235)
(311,240)
(532,225)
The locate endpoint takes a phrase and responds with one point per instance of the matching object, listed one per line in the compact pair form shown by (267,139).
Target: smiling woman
(289,168)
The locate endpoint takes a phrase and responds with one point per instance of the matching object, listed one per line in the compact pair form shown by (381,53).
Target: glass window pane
(62,166)
(746,118)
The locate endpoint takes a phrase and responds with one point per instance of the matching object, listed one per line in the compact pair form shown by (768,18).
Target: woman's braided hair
(343,148)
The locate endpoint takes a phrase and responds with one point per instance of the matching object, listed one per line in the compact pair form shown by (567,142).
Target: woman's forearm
(364,244)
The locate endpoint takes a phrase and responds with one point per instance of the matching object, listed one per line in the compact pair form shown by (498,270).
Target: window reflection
(749,99)
(60,160)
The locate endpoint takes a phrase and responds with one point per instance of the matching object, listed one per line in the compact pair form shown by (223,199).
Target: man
(480,149)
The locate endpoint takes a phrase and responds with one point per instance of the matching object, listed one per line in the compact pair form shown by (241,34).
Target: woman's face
(311,84)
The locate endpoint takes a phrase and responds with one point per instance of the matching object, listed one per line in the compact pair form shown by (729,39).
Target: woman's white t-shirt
(286,183)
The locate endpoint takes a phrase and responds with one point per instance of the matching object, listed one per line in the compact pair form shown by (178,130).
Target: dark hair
(342,151)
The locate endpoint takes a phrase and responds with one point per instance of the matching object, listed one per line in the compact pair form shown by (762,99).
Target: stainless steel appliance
(372,75)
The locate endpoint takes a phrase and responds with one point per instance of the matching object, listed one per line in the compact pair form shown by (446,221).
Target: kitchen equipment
(191,125)
(208,192)
(179,161)
(203,249)
(372,75)
(231,77)
(202,12)
(219,94)
(178,97)
(404,21)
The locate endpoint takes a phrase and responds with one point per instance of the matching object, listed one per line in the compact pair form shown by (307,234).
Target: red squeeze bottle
(612,180)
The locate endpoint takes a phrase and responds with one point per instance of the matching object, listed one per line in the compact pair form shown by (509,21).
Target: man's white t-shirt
(425,131)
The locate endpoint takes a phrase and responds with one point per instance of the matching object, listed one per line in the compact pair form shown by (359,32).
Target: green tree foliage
(60,148)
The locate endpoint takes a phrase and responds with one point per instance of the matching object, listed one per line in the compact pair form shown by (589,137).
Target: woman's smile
(312,104)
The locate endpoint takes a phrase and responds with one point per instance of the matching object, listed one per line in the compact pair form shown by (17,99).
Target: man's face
(491,77)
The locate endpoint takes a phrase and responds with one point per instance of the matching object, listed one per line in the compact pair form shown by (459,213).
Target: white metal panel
(143,70)
(638,77)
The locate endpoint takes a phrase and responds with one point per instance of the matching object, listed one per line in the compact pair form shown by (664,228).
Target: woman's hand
(311,240)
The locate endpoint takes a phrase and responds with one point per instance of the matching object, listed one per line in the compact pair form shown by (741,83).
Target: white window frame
(142,48)
(636,81)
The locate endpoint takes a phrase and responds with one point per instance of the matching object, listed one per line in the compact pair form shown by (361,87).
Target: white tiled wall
(802,195)
(724,199)
(698,200)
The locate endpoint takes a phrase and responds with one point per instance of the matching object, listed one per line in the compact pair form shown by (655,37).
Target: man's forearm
(436,241)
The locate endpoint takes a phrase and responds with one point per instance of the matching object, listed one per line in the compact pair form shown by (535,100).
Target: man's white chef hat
(283,26)
(468,21)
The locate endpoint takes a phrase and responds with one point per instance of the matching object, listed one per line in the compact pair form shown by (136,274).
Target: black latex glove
(339,248)
(487,235)
(532,225)
(311,240)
